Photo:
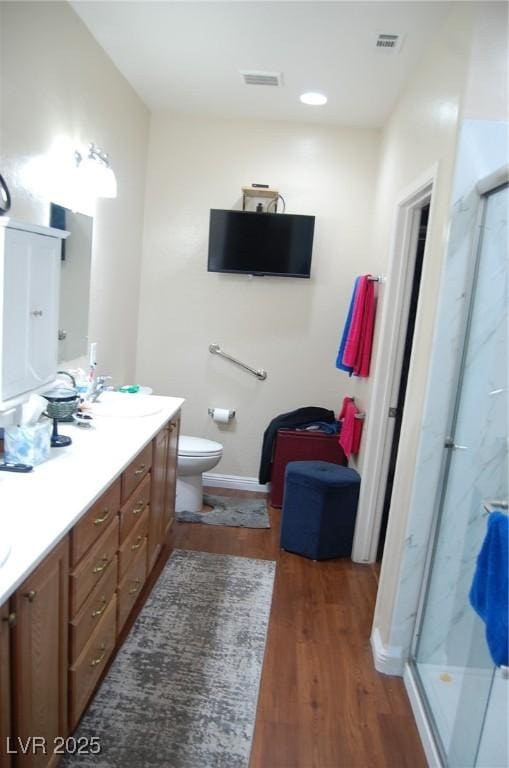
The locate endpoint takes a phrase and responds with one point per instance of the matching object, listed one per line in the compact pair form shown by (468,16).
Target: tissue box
(28,445)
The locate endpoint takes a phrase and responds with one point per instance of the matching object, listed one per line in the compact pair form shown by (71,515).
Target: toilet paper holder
(231,413)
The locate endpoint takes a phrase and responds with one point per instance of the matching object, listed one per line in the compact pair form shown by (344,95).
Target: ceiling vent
(252,77)
(390,43)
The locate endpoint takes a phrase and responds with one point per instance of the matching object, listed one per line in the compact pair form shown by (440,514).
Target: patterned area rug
(227,510)
(182,691)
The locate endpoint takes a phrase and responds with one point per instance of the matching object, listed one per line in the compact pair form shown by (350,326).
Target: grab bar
(215,349)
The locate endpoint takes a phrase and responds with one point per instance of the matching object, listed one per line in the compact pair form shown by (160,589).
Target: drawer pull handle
(99,520)
(136,587)
(100,610)
(30,596)
(138,508)
(138,543)
(141,470)
(100,658)
(104,562)
(10,619)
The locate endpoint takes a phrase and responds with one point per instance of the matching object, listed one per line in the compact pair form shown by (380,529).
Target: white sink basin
(120,405)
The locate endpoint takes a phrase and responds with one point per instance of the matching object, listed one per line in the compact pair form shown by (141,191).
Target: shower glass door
(465,695)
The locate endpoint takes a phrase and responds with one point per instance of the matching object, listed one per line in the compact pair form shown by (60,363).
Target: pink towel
(351,428)
(357,352)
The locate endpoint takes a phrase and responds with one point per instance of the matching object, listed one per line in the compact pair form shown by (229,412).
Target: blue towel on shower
(489,593)
(346,331)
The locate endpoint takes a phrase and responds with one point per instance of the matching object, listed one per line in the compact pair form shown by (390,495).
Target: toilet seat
(198,446)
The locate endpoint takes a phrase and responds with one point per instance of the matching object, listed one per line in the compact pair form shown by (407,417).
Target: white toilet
(195,456)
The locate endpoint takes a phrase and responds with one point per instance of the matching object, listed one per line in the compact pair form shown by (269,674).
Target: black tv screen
(260,243)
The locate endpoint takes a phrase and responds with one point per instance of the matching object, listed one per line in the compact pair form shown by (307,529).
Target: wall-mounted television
(260,243)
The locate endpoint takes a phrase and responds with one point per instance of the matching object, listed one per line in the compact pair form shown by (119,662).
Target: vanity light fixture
(96,173)
(314,99)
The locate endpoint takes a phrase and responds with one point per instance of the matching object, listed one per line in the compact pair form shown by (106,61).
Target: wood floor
(321,702)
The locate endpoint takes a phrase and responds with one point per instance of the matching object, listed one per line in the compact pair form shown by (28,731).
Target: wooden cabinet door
(39,657)
(5,686)
(158,495)
(171,474)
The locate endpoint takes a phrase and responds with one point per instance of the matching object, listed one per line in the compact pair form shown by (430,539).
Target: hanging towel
(357,349)
(351,428)
(346,330)
(489,594)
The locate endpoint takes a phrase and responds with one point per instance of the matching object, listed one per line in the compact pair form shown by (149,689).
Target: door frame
(396,299)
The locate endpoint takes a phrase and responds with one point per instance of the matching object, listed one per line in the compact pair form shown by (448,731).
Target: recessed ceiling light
(315,99)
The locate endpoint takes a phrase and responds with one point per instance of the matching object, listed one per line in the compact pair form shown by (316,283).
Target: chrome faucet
(69,375)
(100,385)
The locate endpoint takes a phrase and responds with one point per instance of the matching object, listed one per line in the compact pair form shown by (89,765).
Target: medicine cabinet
(29,290)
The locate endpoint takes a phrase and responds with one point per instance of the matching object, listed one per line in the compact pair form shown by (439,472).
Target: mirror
(76,261)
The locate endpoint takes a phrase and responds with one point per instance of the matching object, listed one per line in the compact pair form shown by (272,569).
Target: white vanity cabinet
(29,301)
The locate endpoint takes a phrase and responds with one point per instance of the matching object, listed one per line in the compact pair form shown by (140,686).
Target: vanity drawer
(94,522)
(132,544)
(131,585)
(93,566)
(135,472)
(85,673)
(94,607)
(134,506)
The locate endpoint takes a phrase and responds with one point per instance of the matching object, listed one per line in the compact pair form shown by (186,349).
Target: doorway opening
(413,222)
(396,412)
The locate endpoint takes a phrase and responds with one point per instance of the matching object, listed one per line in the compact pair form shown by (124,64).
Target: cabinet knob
(30,596)
(138,508)
(10,619)
(136,546)
(106,514)
(100,658)
(136,586)
(100,611)
(141,470)
(36,312)
(101,566)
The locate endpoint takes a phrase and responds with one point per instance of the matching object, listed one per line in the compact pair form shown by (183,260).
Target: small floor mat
(229,510)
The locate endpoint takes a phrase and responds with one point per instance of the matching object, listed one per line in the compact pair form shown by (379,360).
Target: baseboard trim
(234,481)
(387,659)
(421,720)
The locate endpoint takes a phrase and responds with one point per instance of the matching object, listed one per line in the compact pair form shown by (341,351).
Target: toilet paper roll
(221,415)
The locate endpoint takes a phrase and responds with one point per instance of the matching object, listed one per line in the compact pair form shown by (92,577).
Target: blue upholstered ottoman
(319,509)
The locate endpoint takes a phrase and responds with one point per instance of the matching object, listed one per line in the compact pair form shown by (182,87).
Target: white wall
(288,326)
(56,82)
(414,496)
(487,87)
(421,133)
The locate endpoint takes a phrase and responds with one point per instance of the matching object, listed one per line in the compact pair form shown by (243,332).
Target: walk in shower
(465,694)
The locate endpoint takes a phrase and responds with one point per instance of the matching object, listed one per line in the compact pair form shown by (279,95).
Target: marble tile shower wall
(482,149)
(479,472)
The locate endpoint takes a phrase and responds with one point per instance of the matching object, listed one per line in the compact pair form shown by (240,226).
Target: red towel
(351,428)
(357,352)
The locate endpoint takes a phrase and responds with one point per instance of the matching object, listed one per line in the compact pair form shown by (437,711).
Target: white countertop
(38,508)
